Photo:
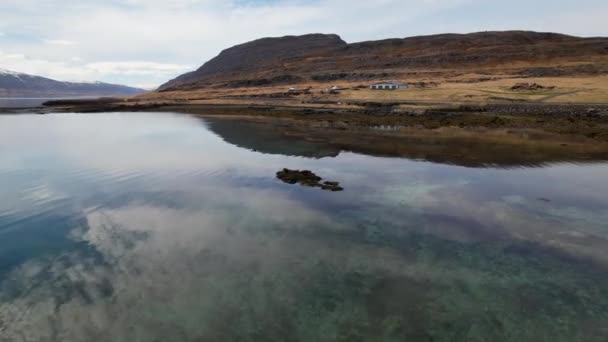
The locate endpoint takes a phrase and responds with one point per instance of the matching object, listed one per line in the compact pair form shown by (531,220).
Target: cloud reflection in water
(176,235)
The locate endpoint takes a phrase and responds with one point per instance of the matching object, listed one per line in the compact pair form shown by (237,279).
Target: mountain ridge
(314,57)
(14,84)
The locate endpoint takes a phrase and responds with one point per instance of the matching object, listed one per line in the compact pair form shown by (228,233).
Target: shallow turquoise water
(166,227)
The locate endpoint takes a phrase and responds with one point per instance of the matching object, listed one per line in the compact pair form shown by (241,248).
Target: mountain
(14,84)
(325,58)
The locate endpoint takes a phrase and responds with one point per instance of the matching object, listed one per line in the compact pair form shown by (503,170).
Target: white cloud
(151,41)
(73,69)
(146,86)
(136,68)
(59,42)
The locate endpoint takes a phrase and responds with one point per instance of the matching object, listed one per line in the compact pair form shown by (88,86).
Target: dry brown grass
(464,88)
(567,90)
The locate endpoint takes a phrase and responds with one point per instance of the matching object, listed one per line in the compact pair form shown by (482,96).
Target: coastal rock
(529,86)
(307,178)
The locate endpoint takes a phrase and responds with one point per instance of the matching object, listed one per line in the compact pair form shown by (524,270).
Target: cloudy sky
(147,42)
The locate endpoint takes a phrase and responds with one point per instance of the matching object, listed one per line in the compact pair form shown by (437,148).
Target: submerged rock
(307,178)
(528,86)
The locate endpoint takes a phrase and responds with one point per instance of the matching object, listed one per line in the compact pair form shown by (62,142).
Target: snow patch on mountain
(86,82)
(9,72)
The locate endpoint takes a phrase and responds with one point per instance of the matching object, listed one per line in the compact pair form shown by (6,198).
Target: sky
(147,42)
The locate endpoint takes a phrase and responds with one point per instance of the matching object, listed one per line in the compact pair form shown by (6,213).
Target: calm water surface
(21,102)
(30,102)
(159,227)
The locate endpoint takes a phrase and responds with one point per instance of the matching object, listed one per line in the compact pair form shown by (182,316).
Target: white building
(388,86)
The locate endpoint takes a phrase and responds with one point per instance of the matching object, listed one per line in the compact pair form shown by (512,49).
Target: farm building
(388,86)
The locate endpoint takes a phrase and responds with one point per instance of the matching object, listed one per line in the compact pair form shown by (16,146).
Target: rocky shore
(582,120)
(555,117)
(474,135)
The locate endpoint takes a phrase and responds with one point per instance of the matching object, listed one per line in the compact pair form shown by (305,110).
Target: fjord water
(22,102)
(31,102)
(155,227)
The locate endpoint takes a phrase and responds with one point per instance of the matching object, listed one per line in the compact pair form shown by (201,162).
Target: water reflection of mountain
(300,140)
(269,139)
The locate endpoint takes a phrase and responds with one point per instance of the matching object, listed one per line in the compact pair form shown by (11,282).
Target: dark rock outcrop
(530,86)
(307,178)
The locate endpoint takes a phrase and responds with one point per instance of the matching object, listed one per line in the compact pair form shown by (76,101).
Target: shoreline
(587,121)
(565,131)
(464,136)
(469,135)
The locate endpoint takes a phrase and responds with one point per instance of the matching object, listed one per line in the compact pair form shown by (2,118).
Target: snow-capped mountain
(9,73)
(15,84)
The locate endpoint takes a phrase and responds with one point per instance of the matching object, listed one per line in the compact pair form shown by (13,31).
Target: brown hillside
(324,58)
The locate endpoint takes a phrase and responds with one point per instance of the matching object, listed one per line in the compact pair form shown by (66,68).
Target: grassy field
(468,88)
(567,90)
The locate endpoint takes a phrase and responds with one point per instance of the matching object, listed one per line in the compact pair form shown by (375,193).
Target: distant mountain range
(328,58)
(14,84)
